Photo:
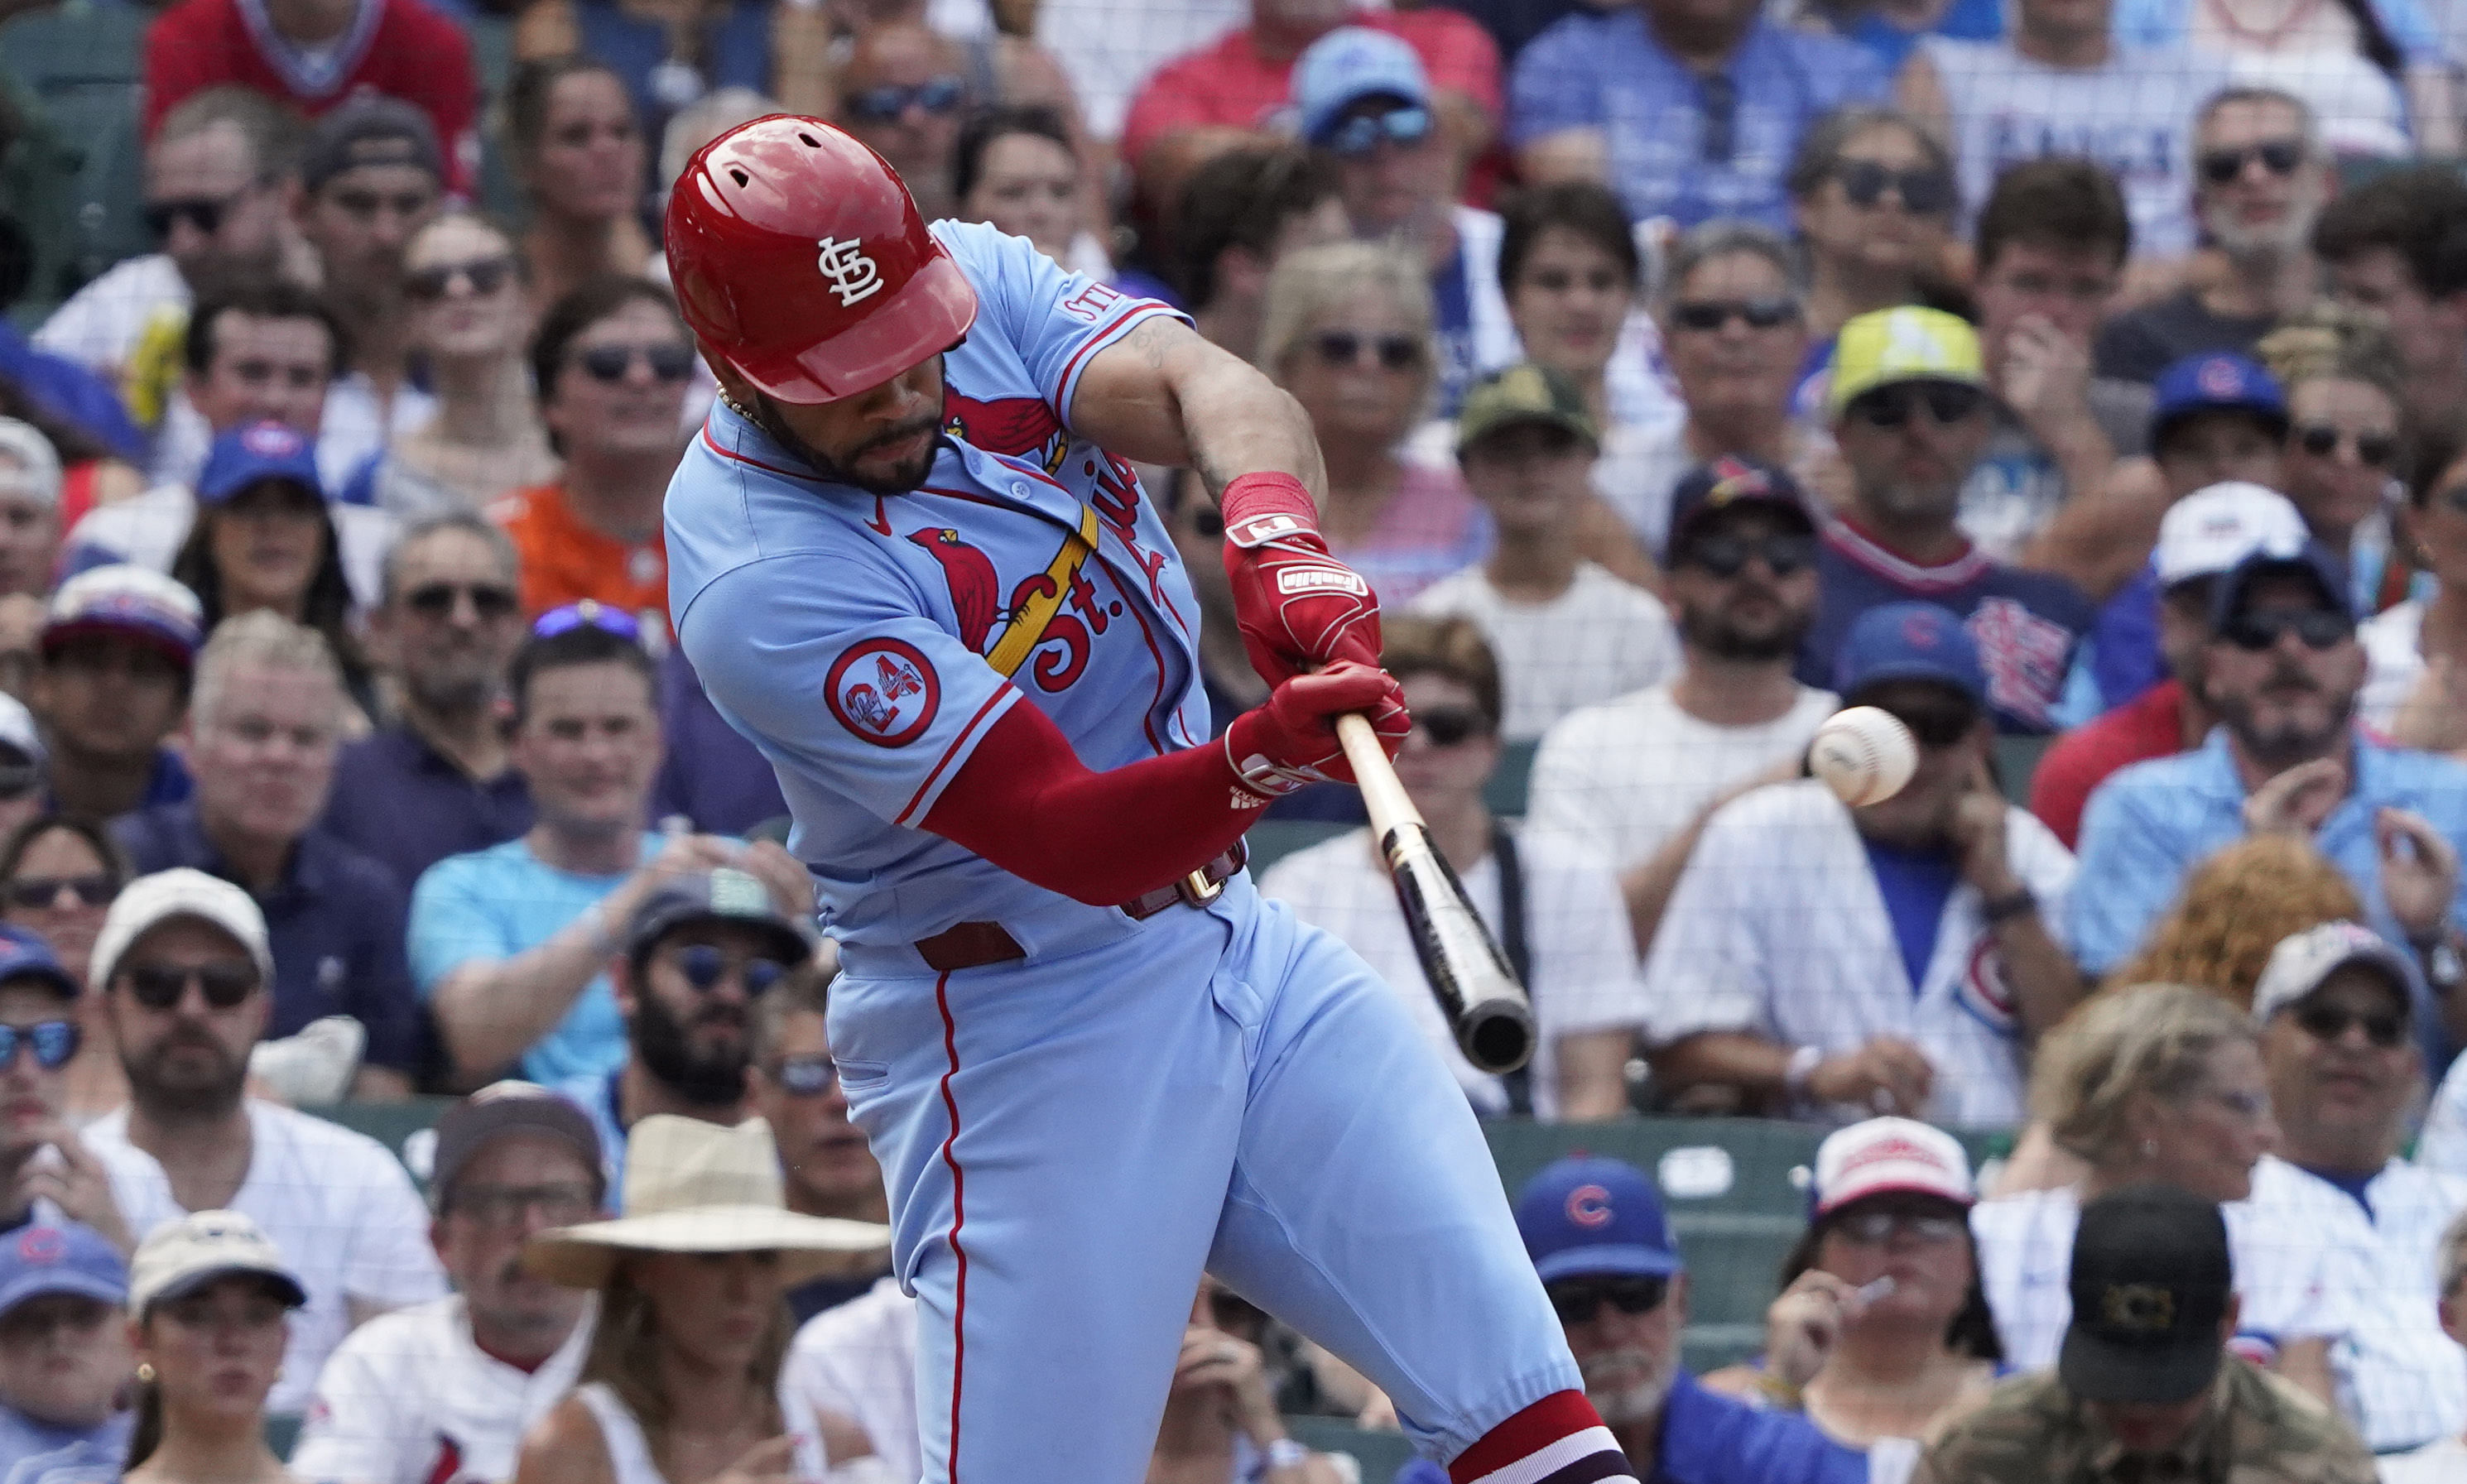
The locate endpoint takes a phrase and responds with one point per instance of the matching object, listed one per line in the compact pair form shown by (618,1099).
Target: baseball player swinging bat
(1492,1017)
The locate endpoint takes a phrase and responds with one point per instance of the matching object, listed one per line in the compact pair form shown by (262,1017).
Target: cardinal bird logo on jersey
(975,587)
(1023,427)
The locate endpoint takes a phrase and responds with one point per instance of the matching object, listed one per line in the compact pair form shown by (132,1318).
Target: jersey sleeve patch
(883,691)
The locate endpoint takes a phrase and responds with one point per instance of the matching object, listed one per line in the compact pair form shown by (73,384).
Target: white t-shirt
(1777,929)
(1584,958)
(2436,1463)
(148,529)
(409,1399)
(102,322)
(2025,1255)
(859,1360)
(337,1204)
(1602,637)
(2401,1379)
(2442,1146)
(1626,775)
(2393,662)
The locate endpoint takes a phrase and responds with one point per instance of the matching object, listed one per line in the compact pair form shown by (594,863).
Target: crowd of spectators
(2080,382)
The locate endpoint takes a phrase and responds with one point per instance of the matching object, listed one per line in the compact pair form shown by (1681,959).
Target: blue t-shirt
(496,903)
(1707,1438)
(1916,885)
(38,1452)
(1968,20)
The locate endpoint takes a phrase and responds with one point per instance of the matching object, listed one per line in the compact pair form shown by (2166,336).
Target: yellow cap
(1908,344)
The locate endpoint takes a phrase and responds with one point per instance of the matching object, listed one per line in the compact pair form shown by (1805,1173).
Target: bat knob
(1497,1036)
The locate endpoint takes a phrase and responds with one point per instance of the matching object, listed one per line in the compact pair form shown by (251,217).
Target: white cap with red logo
(1889,1155)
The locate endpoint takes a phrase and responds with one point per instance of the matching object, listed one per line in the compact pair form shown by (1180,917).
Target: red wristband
(1262,507)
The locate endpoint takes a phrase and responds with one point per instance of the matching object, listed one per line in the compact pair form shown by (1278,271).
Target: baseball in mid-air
(1865,755)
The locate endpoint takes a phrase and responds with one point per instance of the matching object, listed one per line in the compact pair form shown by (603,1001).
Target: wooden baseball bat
(1492,1019)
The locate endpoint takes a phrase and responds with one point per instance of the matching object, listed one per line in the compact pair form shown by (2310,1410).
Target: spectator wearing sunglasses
(437,780)
(1735,333)
(1348,332)
(1872,195)
(2158,1083)
(1581,969)
(903,93)
(2263,178)
(1936,967)
(469,316)
(699,953)
(185,971)
(447,1389)
(511,944)
(264,732)
(1882,1328)
(2341,1049)
(1601,1245)
(1690,113)
(1636,777)
(1565,632)
(795,1088)
(1913,416)
(58,875)
(110,685)
(47,1174)
(2346,442)
(611,359)
(2391,246)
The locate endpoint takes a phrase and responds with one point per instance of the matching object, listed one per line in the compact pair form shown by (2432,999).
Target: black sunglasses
(1935,725)
(1580,1300)
(805,1077)
(53,1042)
(1706,315)
(886,103)
(670,361)
(1448,726)
(437,599)
(36,892)
(1362,133)
(2373,450)
(2279,156)
(1344,347)
(1890,407)
(161,987)
(1923,191)
(484,274)
(1726,557)
(203,212)
(2329,1023)
(2320,628)
(705,965)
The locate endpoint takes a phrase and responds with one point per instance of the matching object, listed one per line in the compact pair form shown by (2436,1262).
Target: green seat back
(81,67)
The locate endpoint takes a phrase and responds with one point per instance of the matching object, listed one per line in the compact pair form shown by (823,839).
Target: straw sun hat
(693,1186)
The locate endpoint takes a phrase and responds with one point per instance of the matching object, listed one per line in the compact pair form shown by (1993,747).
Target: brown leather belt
(973,945)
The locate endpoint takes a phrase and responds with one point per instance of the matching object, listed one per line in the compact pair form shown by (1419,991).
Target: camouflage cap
(1524,393)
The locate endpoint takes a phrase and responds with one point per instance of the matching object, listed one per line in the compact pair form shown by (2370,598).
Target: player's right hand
(1887,1075)
(1290,742)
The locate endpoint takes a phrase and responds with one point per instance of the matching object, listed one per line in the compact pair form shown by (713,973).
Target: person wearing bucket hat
(63,1355)
(1913,414)
(2146,1388)
(209,1300)
(690,1278)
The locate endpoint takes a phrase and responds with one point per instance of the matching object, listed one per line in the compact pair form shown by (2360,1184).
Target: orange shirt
(565,561)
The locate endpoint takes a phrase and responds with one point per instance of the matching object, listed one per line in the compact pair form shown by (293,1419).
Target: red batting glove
(1298,608)
(1290,742)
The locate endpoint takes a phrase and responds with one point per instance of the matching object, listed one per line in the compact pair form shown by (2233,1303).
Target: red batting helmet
(800,260)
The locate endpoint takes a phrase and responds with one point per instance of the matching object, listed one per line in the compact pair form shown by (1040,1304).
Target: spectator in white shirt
(2443,1462)
(1636,778)
(2339,1044)
(2158,1082)
(186,972)
(442,1393)
(1554,897)
(1565,631)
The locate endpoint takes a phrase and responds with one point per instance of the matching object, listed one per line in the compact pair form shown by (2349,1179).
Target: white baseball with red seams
(1865,755)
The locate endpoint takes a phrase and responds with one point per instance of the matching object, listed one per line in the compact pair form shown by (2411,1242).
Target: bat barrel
(1496,1036)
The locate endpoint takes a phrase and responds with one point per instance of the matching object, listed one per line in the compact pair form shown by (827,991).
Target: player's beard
(902,480)
(1712,631)
(713,1078)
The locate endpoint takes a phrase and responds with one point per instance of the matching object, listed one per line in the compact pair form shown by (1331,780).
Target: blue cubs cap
(25,956)
(1909,641)
(2218,382)
(2314,563)
(1347,65)
(260,451)
(69,1258)
(1586,1215)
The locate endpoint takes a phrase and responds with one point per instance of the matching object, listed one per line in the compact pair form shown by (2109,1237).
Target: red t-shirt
(399,48)
(2151,725)
(1230,83)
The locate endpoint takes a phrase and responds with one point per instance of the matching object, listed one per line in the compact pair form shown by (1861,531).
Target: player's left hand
(1290,742)
(1298,606)
(2419,871)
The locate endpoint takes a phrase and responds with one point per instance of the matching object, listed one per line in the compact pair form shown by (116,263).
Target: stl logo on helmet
(884,690)
(852,273)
